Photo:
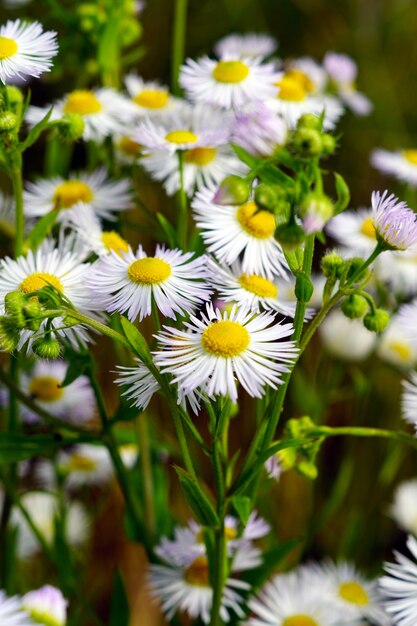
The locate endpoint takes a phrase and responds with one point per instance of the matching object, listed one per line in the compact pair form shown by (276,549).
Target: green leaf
(35,132)
(271,175)
(41,230)
(271,559)
(243,507)
(245,156)
(169,230)
(136,340)
(119,606)
(78,364)
(199,502)
(343,194)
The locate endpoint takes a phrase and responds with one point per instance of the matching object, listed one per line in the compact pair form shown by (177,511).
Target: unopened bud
(328,144)
(290,236)
(46,348)
(14,302)
(354,266)
(232,190)
(266,197)
(71,127)
(8,121)
(331,264)
(316,209)
(303,288)
(376,321)
(308,469)
(354,306)
(14,95)
(307,142)
(9,334)
(309,120)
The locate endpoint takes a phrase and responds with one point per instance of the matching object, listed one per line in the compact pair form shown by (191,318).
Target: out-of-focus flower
(342,71)
(404,507)
(88,229)
(25,50)
(150,98)
(399,587)
(401,164)
(346,339)
(409,400)
(46,606)
(259,130)
(248,45)
(397,346)
(85,464)
(354,230)
(11,612)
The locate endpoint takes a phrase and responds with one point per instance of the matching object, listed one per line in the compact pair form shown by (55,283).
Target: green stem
(182,224)
(178,44)
(359,431)
(16,177)
(179,429)
(146,474)
(219,572)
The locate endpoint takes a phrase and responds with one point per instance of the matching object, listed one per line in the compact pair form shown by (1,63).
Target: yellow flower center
(181,136)
(200,156)
(402,350)
(230,72)
(230,533)
(225,338)
(368,228)
(292,87)
(80,463)
(302,79)
(8,48)
(70,192)
(299,620)
(152,98)
(259,224)
(353,592)
(149,271)
(129,147)
(83,102)
(198,573)
(259,285)
(410,155)
(39,616)
(113,241)
(46,388)
(36,281)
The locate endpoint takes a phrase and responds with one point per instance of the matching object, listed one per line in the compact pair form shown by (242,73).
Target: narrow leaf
(199,502)
(36,131)
(136,340)
(169,230)
(41,230)
(243,507)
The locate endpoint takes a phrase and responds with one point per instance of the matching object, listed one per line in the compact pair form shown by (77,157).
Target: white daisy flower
(85,464)
(309,72)
(404,507)
(397,346)
(11,612)
(183,585)
(259,130)
(104,111)
(402,164)
(43,509)
(409,400)
(395,224)
(128,283)
(353,597)
(294,96)
(149,97)
(342,71)
(84,188)
(398,269)
(399,587)
(188,128)
(46,605)
(248,45)
(289,600)
(127,151)
(38,269)
(231,231)
(252,291)
(217,350)
(354,230)
(74,403)
(25,50)
(230,83)
(88,229)
(346,339)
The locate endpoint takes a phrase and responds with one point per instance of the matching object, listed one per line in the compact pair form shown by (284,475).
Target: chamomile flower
(230,82)
(104,111)
(399,586)
(253,291)
(216,350)
(289,600)
(354,230)
(310,72)
(395,224)
(397,346)
(88,229)
(46,605)
(409,400)
(404,506)
(128,283)
(11,611)
(25,50)
(402,164)
(43,509)
(105,196)
(231,231)
(188,128)
(249,45)
(149,97)
(346,339)
(342,71)
(64,272)
(74,403)
(259,130)
(183,585)
(85,464)
(351,595)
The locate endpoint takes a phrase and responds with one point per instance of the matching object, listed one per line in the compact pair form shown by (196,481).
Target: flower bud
(376,321)
(46,348)
(307,142)
(316,209)
(354,266)
(332,264)
(290,236)
(232,190)
(307,469)
(309,120)
(32,308)
(282,212)
(71,127)
(303,288)
(14,302)
(354,306)
(14,95)
(267,197)
(9,334)
(328,144)
(8,121)
(46,606)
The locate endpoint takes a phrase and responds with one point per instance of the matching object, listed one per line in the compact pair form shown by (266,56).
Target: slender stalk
(220,573)
(16,177)
(146,474)
(360,431)
(182,224)
(178,43)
